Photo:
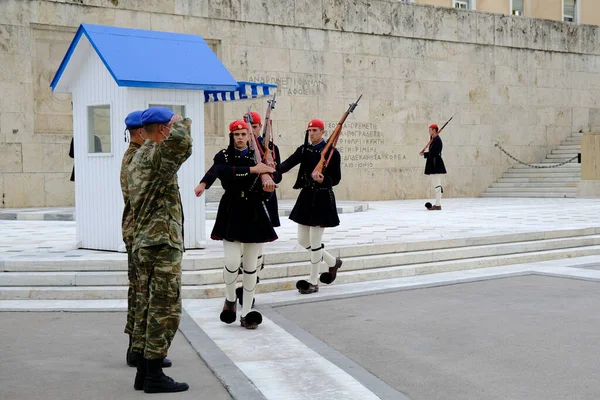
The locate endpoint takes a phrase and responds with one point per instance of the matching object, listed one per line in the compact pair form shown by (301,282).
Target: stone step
(214,276)
(560,160)
(532,189)
(287,283)
(508,185)
(576,134)
(537,180)
(530,195)
(195,260)
(576,148)
(565,153)
(566,167)
(546,173)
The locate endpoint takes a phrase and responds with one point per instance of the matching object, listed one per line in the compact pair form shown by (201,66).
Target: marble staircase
(202,276)
(523,181)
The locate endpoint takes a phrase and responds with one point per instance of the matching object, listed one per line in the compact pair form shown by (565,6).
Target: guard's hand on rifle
(267,182)
(422,153)
(272,164)
(261,168)
(199,190)
(317,176)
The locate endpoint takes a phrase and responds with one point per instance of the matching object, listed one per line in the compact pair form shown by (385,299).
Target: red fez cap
(237,124)
(433,126)
(316,123)
(255,117)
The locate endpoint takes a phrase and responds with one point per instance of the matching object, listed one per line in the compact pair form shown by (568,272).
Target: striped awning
(244,91)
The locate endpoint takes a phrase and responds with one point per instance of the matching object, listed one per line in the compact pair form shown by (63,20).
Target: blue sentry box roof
(151,59)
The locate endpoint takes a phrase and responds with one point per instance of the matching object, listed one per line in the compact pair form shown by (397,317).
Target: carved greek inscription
(363,145)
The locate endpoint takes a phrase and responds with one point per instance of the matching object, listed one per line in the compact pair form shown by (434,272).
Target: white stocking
(251,252)
(436,181)
(233,258)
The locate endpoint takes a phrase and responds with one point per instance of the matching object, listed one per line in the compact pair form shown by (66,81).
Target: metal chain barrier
(535,166)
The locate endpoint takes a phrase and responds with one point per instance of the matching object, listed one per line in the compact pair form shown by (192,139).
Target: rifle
(440,131)
(268,133)
(253,144)
(254,147)
(330,146)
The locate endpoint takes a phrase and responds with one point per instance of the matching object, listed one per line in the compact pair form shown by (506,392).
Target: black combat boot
(140,376)
(157,382)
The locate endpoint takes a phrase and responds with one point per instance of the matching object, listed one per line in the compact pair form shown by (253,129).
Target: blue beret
(157,115)
(134,120)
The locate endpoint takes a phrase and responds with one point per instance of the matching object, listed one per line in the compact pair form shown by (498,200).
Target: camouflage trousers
(158,306)
(131,293)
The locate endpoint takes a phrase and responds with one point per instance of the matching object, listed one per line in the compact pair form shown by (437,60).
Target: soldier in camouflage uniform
(158,243)
(133,123)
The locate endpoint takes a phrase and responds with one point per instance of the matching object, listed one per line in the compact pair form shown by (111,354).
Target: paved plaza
(521,331)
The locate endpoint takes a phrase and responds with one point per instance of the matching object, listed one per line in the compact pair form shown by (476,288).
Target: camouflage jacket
(127,220)
(153,189)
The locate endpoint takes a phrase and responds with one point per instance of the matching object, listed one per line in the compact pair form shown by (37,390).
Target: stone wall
(523,82)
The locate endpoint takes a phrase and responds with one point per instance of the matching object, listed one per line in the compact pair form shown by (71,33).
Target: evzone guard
(315,208)
(271,155)
(242,222)
(434,166)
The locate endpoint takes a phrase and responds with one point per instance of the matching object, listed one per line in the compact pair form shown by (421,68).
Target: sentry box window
(99,140)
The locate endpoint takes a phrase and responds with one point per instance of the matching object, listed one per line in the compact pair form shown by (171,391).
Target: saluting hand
(317,176)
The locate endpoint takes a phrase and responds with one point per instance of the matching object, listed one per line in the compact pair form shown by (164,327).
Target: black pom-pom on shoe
(428,205)
(228,313)
(329,277)
(252,320)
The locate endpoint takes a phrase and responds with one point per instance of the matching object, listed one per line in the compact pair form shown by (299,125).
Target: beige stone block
(379,17)
(521,36)
(588,188)
(581,117)
(340,42)
(16,127)
(403,68)
(426,20)
(355,65)
(167,23)
(23,190)
(304,109)
(334,14)
(308,13)
(11,157)
(59,191)
(17,12)
(503,30)
(15,68)
(355,16)
(10,100)
(9,39)
(485,28)
(368,44)
(574,37)
(409,48)
(314,40)
(133,19)
(246,57)
(51,13)
(276,60)
(590,156)
(466,27)
(53,123)
(590,37)
(225,9)
(557,36)
(426,70)
(403,23)
(540,34)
